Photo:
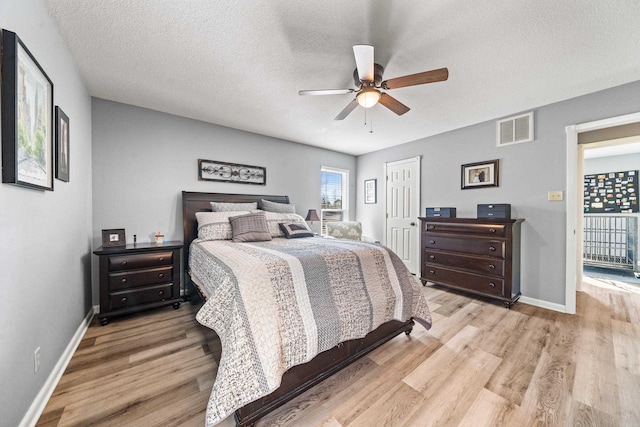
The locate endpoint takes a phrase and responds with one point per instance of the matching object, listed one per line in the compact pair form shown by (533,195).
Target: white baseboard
(543,304)
(37,406)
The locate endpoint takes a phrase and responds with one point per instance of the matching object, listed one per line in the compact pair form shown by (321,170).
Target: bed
(271,351)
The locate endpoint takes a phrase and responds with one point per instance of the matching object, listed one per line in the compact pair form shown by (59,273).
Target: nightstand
(138,277)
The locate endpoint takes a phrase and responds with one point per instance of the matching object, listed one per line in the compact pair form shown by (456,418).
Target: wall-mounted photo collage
(611,192)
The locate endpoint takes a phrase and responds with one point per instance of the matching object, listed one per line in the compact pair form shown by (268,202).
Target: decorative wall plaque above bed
(211,170)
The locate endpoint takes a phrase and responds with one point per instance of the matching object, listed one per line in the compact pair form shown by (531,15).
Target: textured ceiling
(241,63)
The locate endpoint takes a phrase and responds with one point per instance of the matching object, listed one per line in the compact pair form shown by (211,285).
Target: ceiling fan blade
(439,75)
(348,109)
(326,92)
(393,104)
(364,61)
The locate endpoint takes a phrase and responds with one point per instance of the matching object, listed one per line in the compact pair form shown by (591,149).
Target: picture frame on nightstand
(113,238)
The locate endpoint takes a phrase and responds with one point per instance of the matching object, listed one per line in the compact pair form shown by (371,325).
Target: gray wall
(624,162)
(46,236)
(144,159)
(527,172)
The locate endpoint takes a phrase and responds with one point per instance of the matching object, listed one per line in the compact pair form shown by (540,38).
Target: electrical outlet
(36,360)
(554,196)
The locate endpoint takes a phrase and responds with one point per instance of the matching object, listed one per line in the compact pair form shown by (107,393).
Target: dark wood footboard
(302,377)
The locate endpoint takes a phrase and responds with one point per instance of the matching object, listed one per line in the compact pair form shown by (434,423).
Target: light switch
(554,196)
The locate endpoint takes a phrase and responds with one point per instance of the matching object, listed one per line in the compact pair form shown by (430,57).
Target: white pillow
(216,225)
(274,219)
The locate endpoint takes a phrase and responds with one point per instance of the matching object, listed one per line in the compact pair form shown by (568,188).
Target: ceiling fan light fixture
(368,97)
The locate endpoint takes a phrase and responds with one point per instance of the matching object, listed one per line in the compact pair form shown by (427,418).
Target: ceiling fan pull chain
(371,129)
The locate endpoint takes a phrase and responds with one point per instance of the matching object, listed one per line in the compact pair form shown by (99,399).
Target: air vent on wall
(514,130)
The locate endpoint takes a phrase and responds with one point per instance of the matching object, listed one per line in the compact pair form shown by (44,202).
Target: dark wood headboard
(193,202)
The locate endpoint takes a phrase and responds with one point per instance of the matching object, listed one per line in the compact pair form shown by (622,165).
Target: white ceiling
(241,63)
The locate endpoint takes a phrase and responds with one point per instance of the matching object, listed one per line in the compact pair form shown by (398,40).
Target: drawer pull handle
(431,227)
(160,259)
(491,266)
(493,285)
(432,256)
(123,280)
(124,263)
(124,299)
(433,242)
(492,248)
(160,293)
(492,230)
(432,272)
(161,275)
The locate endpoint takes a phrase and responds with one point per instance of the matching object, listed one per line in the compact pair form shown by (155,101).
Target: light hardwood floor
(480,365)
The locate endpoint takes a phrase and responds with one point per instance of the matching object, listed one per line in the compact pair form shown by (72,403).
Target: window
(334,193)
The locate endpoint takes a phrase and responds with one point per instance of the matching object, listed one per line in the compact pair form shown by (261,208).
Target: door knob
(413,224)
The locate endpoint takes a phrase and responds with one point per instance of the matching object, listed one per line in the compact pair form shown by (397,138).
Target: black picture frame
(370,191)
(211,170)
(480,174)
(62,145)
(113,237)
(27,117)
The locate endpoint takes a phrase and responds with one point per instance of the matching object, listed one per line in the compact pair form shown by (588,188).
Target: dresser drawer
(466,281)
(131,262)
(137,278)
(499,230)
(493,248)
(123,299)
(483,265)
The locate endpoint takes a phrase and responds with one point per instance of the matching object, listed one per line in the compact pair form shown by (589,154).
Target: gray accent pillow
(251,227)
(230,207)
(270,206)
(294,230)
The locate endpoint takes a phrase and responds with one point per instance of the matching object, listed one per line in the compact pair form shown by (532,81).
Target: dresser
(476,255)
(138,277)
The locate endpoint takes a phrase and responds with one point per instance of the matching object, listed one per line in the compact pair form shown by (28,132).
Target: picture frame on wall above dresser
(113,237)
(27,117)
(480,174)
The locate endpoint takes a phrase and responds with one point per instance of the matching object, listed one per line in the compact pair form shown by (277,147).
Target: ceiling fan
(368,77)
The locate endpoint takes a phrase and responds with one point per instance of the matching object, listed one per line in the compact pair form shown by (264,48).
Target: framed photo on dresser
(113,237)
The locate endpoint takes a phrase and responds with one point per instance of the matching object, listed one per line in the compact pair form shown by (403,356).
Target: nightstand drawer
(134,261)
(137,278)
(124,299)
(483,265)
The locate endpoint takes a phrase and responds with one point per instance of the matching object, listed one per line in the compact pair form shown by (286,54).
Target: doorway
(574,222)
(402,209)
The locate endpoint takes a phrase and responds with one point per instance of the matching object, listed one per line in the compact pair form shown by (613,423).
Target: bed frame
(301,377)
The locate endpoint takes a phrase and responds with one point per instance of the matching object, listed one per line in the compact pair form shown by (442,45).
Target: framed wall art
(480,174)
(370,191)
(27,117)
(113,237)
(62,145)
(211,170)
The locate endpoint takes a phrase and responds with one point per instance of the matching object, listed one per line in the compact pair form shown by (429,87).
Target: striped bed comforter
(279,303)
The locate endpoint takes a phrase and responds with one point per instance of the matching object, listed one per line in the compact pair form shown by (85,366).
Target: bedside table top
(139,247)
